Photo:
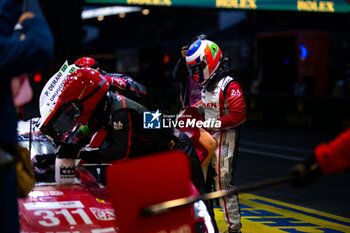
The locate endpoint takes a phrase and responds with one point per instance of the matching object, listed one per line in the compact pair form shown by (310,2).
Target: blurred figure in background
(328,158)
(17,57)
(22,92)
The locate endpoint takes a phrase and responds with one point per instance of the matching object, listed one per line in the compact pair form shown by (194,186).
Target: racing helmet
(203,59)
(87,62)
(81,92)
(116,83)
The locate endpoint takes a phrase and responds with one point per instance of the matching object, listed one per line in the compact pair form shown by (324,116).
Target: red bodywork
(149,180)
(67,208)
(85,206)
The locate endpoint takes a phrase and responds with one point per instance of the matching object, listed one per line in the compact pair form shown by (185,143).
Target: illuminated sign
(322,6)
(335,6)
(150,2)
(239,4)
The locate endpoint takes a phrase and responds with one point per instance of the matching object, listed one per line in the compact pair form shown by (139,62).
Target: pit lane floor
(268,153)
(265,215)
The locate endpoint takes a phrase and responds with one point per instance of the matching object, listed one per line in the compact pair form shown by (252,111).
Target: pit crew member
(327,158)
(86,100)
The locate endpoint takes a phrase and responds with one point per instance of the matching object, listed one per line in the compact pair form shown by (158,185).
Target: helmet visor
(63,124)
(196,68)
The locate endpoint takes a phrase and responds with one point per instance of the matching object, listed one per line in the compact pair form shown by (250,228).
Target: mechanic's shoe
(232,231)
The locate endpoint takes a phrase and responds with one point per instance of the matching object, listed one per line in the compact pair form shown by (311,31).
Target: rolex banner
(334,6)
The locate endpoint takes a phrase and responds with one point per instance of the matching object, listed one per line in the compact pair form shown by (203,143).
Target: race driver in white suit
(222,100)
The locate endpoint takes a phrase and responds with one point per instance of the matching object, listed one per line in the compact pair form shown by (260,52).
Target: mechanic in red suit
(118,84)
(328,158)
(222,100)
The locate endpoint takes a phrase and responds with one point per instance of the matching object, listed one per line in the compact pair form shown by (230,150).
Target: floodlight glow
(105,11)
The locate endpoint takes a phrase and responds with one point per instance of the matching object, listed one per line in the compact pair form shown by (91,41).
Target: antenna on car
(30,135)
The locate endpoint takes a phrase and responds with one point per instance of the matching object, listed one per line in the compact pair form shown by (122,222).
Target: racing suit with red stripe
(223,100)
(334,157)
(328,158)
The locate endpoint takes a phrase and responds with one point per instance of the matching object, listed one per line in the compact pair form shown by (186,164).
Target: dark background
(283,124)
(265,47)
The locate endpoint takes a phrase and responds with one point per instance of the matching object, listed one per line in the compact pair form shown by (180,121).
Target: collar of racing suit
(101,115)
(223,71)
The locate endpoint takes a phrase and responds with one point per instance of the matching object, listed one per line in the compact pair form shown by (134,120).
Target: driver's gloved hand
(89,154)
(65,150)
(68,151)
(44,161)
(305,173)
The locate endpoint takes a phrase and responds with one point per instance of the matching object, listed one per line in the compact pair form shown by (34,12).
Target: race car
(81,204)
(88,206)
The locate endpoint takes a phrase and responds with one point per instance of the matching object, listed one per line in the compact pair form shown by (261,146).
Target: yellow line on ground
(265,215)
